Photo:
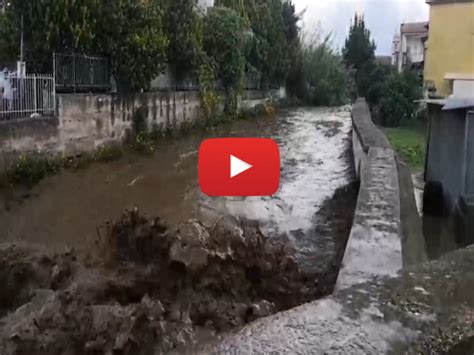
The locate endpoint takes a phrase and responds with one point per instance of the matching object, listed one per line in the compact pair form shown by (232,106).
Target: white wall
(463,88)
(415,49)
(204,4)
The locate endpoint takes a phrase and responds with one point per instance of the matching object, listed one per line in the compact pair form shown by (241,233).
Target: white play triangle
(238,166)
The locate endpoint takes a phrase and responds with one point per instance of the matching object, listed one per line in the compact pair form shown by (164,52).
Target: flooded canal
(66,209)
(172,286)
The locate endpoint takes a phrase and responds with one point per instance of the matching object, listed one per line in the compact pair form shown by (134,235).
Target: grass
(410,142)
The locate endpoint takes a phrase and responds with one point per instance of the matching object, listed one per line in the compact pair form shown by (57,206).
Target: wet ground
(426,310)
(66,209)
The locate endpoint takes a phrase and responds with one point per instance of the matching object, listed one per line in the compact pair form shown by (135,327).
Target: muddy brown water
(65,210)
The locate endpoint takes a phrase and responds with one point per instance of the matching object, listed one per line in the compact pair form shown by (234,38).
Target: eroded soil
(147,288)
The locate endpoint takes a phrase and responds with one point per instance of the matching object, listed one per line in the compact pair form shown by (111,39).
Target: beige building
(411,46)
(449,65)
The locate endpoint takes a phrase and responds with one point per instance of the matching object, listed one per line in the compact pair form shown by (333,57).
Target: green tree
(375,85)
(268,54)
(224,45)
(48,26)
(127,31)
(359,54)
(359,48)
(398,103)
(131,34)
(295,78)
(184,29)
(325,74)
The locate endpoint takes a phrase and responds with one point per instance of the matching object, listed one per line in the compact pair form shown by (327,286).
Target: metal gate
(26,96)
(80,73)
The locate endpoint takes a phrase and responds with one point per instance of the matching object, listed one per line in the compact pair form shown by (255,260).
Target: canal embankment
(387,300)
(215,266)
(387,231)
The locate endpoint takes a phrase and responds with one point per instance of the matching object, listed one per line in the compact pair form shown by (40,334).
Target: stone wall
(386,232)
(87,121)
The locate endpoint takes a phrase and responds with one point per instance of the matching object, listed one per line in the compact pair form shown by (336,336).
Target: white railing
(26,96)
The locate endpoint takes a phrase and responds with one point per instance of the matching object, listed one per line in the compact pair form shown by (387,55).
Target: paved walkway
(430,309)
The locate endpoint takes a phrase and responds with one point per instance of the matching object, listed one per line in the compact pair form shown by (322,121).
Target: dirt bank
(150,288)
(147,289)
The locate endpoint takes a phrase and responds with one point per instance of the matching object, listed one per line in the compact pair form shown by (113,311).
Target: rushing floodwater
(66,209)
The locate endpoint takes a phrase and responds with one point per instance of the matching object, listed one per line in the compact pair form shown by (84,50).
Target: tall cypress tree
(359,48)
(359,54)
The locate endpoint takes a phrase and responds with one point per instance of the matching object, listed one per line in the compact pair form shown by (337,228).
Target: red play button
(239,167)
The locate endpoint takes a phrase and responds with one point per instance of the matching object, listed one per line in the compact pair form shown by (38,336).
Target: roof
(459,76)
(439,2)
(454,103)
(414,27)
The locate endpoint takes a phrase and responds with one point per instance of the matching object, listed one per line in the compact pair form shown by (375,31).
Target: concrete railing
(386,232)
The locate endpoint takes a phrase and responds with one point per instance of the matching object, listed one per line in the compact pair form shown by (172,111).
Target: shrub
(398,102)
(30,169)
(325,75)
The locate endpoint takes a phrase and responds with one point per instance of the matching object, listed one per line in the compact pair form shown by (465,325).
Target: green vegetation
(224,44)
(325,75)
(238,40)
(398,103)
(410,142)
(185,34)
(33,167)
(131,32)
(390,94)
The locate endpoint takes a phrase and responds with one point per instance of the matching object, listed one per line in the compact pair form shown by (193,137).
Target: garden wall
(85,122)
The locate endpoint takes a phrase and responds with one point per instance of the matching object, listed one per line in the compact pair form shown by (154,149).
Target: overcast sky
(383,17)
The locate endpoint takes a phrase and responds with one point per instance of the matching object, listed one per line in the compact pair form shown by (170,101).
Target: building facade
(395,49)
(203,5)
(450,48)
(411,48)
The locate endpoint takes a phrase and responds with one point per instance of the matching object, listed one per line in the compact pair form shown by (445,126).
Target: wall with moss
(86,122)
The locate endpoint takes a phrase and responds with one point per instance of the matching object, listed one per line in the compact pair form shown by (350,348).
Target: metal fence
(80,73)
(26,96)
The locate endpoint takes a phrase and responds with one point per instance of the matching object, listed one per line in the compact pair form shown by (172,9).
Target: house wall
(446,152)
(415,49)
(450,44)
(412,45)
(470,155)
(463,88)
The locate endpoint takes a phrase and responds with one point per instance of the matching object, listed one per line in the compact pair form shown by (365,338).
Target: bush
(31,169)
(224,45)
(325,75)
(398,102)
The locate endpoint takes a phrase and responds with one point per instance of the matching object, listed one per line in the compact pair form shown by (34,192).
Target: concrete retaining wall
(386,236)
(88,121)
(386,233)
